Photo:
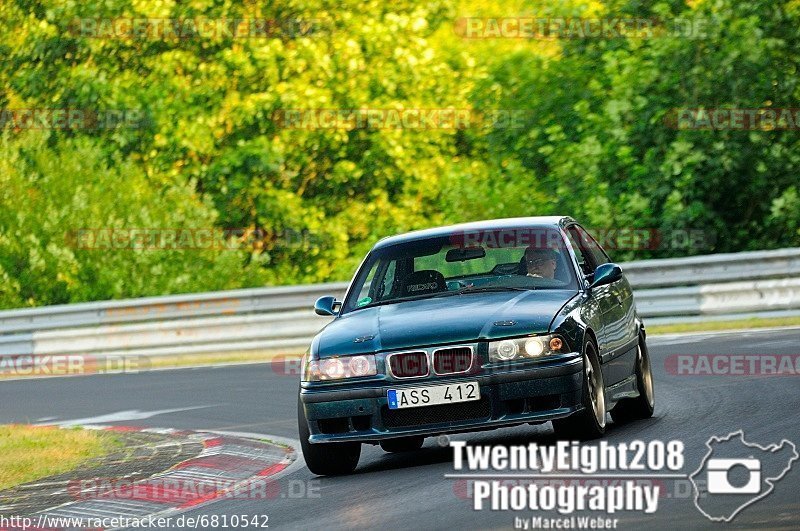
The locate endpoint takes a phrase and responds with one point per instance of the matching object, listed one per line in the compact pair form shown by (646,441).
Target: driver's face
(540,264)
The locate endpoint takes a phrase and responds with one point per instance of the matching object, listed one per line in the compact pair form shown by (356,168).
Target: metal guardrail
(281,319)
(232,302)
(713,269)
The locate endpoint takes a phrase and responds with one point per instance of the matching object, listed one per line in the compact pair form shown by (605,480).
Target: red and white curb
(230,466)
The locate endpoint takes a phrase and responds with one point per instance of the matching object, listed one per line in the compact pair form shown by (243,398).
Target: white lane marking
(694,336)
(45,484)
(123,416)
(778,343)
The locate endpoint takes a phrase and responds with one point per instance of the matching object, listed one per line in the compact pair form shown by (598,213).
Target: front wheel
(643,405)
(328,459)
(590,422)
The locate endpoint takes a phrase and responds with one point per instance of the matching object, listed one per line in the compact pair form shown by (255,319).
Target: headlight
(525,348)
(339,368)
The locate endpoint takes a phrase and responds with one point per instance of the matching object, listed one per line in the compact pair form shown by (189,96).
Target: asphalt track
(410,491)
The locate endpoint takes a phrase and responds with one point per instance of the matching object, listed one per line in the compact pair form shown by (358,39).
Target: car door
(615,302)
(597,300)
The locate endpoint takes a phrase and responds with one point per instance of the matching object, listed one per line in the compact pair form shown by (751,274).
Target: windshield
(528,258)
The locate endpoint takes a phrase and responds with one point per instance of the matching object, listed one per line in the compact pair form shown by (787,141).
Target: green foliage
(603,148)
(48,195)
(593,142)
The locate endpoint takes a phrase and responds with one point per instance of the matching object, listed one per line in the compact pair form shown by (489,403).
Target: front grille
(452,360)
(418,416)
(409,364)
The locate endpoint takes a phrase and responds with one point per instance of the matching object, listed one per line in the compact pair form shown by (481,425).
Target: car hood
(439,320)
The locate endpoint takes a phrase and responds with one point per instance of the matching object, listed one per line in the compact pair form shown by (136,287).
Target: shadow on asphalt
(433,454)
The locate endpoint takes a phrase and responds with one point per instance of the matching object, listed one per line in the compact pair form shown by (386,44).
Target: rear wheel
(642,406)
(590,422)
(327,459)
(402,444)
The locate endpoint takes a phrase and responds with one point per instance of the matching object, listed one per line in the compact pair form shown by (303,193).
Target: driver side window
(586,259)
(599,256)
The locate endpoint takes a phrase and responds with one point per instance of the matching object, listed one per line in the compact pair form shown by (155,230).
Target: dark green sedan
(471,327)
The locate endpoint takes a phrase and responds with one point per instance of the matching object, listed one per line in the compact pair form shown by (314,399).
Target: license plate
(433,395)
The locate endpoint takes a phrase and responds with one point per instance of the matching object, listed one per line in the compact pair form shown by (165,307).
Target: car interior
(400,280)
(428,281)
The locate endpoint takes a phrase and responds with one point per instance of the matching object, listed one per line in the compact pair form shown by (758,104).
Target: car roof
(490,224)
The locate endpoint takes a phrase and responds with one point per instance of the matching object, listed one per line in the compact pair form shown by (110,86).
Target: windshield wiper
(441,294)
(405,299)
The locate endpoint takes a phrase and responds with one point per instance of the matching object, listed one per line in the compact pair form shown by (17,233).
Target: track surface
(410,491)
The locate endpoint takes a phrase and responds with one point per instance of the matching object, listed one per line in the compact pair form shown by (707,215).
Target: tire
(327,459)
(590,422)
(643,405)
(402,444)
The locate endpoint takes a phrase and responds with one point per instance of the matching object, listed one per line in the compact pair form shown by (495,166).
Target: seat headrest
(424,282)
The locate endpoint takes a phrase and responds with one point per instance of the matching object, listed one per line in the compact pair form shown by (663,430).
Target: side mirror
(327,306)
(606,274)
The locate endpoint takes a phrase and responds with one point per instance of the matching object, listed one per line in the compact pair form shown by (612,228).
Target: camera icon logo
(736,473)
(719,481)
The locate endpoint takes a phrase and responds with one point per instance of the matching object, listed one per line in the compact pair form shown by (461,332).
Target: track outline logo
(768,480)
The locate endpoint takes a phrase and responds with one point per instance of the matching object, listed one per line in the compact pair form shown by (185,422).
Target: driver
(540,262)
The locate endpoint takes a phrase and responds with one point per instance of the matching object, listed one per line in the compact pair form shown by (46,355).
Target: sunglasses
(539,261)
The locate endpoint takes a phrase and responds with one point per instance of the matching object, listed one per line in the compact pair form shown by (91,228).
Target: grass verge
(28,453)
(189,360)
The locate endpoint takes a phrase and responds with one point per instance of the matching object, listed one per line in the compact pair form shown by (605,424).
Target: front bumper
(534,393)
